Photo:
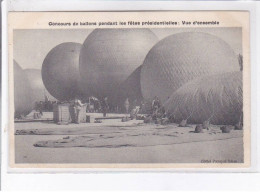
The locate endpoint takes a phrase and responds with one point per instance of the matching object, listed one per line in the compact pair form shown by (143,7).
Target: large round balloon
(218,98)
(38,89)
(22,92)
(130,89)
(109,56)
(182,57)
(60,71)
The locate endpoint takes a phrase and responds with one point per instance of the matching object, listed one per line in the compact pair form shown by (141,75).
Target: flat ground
(113,141)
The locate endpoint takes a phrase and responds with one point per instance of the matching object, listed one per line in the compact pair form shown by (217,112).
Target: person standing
(156,104)
(105,106)
(77,108)
(41,108)
(126,104)
(142,107)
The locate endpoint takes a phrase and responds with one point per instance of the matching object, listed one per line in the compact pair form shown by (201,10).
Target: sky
(32,46)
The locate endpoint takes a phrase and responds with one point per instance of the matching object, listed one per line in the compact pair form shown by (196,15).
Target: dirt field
(114,141)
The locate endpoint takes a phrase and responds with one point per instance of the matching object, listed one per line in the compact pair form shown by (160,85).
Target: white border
(132,180)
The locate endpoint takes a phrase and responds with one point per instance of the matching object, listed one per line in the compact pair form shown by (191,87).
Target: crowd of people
(150,111)
(153,109)
(44,106)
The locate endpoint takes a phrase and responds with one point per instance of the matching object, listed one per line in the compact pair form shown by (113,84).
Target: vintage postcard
(132,90)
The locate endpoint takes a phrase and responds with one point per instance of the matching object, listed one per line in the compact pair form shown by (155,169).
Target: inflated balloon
(38,89)
(23,103)
(109,56)
(182,57)
(217,98)
(130,89)
(60,71)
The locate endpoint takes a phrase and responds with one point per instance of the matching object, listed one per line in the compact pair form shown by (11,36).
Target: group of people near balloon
(131,71)
(132,108)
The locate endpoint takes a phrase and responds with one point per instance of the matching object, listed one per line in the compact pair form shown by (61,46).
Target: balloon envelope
(38,89)
(109,56)
(23,103)
(219,97)
(130,89)
(181,57)
(60,71)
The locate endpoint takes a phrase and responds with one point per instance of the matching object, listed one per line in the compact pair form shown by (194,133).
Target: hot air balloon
(181,57)
(218,98)
(130,89)
(109,56)
(38,89)
(60,71)
(22,92)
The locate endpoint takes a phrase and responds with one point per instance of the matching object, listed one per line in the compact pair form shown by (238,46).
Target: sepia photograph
(114,95)
(130,95)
